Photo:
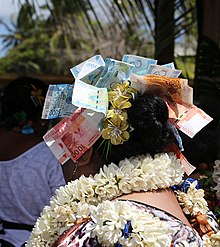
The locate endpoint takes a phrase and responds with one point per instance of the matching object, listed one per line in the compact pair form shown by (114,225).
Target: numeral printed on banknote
(58,102)
(76,134)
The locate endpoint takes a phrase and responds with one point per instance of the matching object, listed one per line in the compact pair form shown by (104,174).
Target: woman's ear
(85,158)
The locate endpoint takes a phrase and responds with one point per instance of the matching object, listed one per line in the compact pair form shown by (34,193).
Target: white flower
(76,199)
(193,200)
(146,230)
(216,178)
(211,241)
(83,210)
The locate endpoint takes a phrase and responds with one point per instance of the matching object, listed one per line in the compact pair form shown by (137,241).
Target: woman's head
(148,117)
(23,96)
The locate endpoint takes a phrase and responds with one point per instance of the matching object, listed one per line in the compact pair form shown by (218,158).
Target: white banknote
(96,60)
(90,97)
(163,71)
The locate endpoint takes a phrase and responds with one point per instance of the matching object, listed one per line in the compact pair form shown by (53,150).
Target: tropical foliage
(72,31)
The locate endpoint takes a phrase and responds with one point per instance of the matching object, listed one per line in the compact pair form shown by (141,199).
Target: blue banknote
(114,72)
(92,62)
(163,71)
(58,102)
(141,64)
(169,65)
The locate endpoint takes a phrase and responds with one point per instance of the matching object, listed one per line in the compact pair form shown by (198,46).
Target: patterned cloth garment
(80,235)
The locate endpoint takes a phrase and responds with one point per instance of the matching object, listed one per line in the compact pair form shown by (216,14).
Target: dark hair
(148,116)
(18,97)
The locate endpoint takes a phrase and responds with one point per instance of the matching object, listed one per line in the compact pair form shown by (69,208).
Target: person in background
(29,172)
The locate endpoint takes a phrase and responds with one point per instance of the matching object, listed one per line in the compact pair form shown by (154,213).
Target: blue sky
(7,11)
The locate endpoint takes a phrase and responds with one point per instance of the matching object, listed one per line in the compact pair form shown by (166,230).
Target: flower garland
(112,218)
(78,198)
(210,182)
(191,199)
(212,241)
(216,179)
(115,125)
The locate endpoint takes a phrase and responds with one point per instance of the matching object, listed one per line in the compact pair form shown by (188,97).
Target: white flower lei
(212,241)
(192,202)
(78,198)
(216,178)
(110,218)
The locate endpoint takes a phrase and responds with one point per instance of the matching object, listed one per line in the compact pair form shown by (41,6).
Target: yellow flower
(117,113)
(120,95)
(37,93)
(115,130)
(115,124)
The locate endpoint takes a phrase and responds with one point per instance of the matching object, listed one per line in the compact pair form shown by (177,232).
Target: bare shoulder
(159,199)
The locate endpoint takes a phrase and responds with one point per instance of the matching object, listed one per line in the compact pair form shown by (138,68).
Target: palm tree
(81,28)
(19,30)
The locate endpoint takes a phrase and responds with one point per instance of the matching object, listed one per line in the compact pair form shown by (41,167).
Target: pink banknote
(190,119)
(61,154)
(78,133)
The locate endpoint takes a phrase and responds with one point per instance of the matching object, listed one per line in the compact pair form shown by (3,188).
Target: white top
(26,186)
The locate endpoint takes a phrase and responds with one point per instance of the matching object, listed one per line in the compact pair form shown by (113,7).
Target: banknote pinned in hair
(87,66)
(187,167)
(163,71)
(141,64)
(173,90)
(90,97)
(75,135)
(91,77)
(114,72)
(191,119)
(60,153)
(169,65)
(58,102)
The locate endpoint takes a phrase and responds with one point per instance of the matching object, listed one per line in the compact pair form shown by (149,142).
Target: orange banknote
(177,88)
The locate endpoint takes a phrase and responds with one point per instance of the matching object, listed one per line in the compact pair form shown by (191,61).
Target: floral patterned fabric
(81,234)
